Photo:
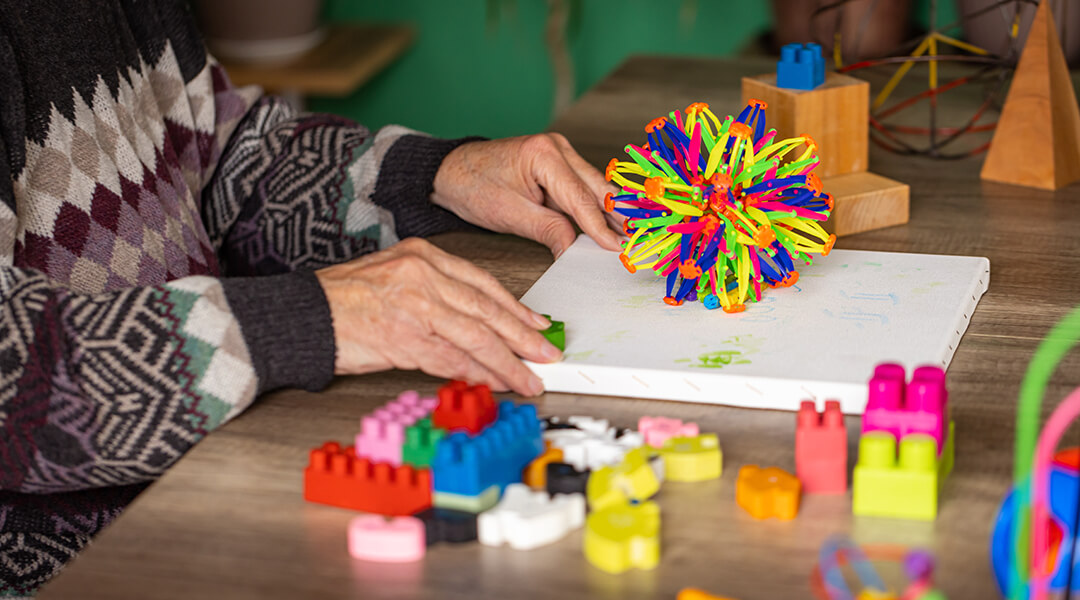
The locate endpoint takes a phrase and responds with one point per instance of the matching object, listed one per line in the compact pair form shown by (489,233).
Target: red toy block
(464,407)
(821,449)
(335,476)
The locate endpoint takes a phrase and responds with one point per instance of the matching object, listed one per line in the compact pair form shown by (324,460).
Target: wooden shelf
(350,56)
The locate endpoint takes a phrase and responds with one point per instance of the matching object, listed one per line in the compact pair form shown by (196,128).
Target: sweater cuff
(406,181)
(285,320)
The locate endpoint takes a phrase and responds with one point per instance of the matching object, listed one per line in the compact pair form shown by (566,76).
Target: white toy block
(590,424)
(525,519)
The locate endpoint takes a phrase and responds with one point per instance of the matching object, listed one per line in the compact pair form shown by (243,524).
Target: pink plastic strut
(375,538)
(922,409)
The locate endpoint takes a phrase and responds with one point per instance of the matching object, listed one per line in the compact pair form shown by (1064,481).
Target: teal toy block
(904,485)
(421,440)
(556,334)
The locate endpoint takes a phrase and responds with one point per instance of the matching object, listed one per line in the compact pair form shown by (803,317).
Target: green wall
(466,76)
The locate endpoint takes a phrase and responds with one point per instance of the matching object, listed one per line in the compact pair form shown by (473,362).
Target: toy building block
(591,425)
(766,493)
(474,503)
(631,480)
(696,458)
(904,488)
(922,409)
(447,525)
(696,594)
(372,537)
(421,441)
(1037,139)
(594,444)
(463,407)
(525,519)
(657,430)
(563,478)
(623,537)
(821,448)
(382,435)
(535,475)
(412,403)
(865,202)
(801,67)
(335,476)
(556,333)
(469,465)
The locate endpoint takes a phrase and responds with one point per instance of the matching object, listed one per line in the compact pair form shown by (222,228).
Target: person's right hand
(413,306)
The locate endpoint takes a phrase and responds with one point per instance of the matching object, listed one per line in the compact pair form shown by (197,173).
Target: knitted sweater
(157,244)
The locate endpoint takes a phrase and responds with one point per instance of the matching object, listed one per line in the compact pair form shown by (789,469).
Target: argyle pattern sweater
(157,243)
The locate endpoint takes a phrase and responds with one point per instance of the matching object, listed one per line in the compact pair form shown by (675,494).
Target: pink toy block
(921,408)
(410,402)
(821,448)
(401,539)
(382,434)
(658,430)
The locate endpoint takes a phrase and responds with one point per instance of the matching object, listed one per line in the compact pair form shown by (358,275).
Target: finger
(459,269)
(485,347)
(546,226)
(594,179)
(439,358)
(569,192)
(523,340)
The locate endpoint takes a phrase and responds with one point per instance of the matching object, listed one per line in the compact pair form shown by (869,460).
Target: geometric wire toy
(712,206)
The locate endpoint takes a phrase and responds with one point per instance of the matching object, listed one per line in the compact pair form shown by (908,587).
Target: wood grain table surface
(228,521)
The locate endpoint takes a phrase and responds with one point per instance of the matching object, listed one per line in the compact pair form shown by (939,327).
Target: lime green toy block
(556,334)
(421,438)
(904,488)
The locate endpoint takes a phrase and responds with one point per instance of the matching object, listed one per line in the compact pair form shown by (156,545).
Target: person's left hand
(528,186)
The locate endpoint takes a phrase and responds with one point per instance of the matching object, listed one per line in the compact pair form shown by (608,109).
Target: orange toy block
(696,594)
(464,407)
(335,476)
(766,493)
(535,475)
(821,449)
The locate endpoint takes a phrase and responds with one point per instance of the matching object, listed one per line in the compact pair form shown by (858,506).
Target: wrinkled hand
(528,186)
(414,306)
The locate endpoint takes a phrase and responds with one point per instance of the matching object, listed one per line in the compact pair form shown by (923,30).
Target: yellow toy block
(623,537)
(697,458)
(631,479)
(907,487)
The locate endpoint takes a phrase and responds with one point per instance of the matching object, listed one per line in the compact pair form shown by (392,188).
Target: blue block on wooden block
(801,67)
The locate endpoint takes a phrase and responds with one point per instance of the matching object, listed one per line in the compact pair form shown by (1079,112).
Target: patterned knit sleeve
(302,191)
(112,388)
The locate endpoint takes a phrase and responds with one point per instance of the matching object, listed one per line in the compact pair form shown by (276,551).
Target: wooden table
(351,54)
(229,521)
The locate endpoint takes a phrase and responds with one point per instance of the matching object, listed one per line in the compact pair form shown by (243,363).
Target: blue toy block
(469,465)
(801,67)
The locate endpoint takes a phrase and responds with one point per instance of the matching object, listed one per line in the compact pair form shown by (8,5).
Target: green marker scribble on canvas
(617,336)
(637,301)
(737,350)
(582,355)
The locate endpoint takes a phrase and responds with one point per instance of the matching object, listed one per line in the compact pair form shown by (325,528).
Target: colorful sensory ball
(713,207)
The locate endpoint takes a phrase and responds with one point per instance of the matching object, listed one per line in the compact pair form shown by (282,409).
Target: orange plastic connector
(722,181)
(654,188)
(821,448)
(735,308)
(813,182)
(757,103)
(810,143)
(335,476)
(689,270)
(829,243)
(672,302)
(767,493)
(791,279)
(626,263)
(609,204)
(464,407)
(612,164)
(696,107)
(764,237)
(657,123)
(828,201)
(740,130)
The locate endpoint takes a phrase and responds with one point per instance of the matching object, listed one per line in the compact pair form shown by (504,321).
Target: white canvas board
(819,339)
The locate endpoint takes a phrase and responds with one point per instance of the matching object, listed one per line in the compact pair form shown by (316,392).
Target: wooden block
(865,201)
(836,114)
(1037,141)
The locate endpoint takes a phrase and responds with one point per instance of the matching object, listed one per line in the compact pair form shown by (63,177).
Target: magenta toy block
(401,539)
(920,408)
(382,434)
(658,430)
(410,402)
(821,449)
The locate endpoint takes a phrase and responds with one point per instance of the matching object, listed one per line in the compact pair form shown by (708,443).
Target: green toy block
(556,334)
(907,488)
(473,504)
(421,438)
